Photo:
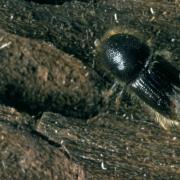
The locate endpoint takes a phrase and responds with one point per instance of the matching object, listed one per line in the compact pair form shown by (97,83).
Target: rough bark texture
(36,76)
(24,155)
(74,26)
(47,64)
(120,149)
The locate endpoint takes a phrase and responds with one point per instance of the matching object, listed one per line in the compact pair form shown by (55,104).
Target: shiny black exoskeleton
(153,80)
(125,56)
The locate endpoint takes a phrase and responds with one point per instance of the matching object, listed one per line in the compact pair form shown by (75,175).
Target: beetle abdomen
(158,86)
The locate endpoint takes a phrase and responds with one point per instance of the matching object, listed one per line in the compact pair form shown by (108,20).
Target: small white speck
(11,17)
(84,157)
(152,19)
(55,130)
(96,42)
(124,115)
(102,166)
(173,40)
(23,170)
(63,82)
(115,18)
(152,11)
(132,117)
(87,74)
(174,138)
(5,45)
(146,159)
(3,164)
(2,137)
(72,80)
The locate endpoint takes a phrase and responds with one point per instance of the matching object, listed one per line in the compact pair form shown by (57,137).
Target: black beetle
(154,80)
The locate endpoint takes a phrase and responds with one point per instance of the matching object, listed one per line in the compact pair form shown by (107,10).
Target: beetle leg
(112,90)
(166,123)
(120,96)
(107,95)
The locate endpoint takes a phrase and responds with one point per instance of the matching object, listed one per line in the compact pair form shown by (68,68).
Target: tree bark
(47,67)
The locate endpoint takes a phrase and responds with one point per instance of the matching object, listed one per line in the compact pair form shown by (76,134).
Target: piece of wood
(24,155)
(35,77)
(124,146)
(117,148)
(107,146)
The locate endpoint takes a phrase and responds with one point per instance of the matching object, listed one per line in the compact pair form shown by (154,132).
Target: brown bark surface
(60,124)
